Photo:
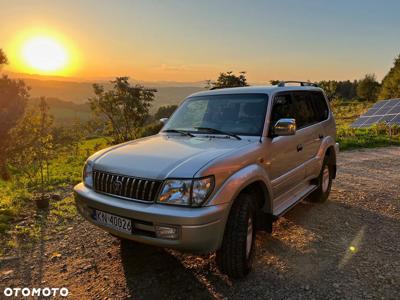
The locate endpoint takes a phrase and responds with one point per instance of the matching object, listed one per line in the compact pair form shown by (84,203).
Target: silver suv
(227,163)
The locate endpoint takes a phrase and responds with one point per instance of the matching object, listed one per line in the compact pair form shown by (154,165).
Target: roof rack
(302,83)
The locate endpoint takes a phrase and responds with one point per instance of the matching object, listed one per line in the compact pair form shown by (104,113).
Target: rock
(55,256)
(56,197)
(87,267)
(6,273)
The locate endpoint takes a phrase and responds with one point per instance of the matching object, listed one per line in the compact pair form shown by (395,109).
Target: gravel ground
(346,248)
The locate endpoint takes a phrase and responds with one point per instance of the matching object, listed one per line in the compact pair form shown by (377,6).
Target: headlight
(186,192)
(88,174)
(201,190)
(176,192)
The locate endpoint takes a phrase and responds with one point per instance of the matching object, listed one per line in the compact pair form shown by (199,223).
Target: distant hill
(65,112)
(68,100)
(79,91)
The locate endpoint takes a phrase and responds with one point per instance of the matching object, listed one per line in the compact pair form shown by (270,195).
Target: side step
(293,200)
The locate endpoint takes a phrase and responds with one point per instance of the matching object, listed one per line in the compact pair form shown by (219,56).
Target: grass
(379,135)
(20,222)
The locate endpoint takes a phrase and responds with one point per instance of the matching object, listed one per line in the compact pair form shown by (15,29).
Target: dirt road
(348,247)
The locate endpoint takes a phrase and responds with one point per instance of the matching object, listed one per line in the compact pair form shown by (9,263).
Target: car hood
(162,156)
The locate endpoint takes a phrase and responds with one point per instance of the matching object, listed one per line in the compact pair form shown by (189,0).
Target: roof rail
(302,83)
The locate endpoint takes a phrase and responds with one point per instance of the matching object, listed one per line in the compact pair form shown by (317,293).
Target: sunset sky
(194,40)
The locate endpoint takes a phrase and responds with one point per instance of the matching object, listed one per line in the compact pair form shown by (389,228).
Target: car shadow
(155,273)
(315,248)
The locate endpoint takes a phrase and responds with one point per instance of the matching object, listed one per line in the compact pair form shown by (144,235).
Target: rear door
(311,110)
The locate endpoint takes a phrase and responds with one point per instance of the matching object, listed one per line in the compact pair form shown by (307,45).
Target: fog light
(167,232)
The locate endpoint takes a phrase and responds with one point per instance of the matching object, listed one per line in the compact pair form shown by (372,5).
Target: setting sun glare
(44,54)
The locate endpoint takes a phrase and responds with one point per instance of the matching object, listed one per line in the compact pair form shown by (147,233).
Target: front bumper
(200,229)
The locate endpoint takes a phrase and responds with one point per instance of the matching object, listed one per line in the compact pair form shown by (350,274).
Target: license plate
(113,221)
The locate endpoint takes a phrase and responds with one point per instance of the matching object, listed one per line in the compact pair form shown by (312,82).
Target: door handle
(299,147)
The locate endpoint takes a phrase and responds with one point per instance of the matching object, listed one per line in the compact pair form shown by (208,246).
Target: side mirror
(285,127)
(163,120)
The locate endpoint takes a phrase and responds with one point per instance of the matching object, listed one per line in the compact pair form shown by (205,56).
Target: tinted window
(306,107)
(321,109)
(282,109)
(303,109)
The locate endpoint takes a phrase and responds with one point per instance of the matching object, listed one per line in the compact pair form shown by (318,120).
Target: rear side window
(304,111)
(320,107)
(307,108)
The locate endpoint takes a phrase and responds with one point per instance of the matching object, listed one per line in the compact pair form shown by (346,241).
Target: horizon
(148,41)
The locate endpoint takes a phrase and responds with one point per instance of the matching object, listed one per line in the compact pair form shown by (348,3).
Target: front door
(287,155)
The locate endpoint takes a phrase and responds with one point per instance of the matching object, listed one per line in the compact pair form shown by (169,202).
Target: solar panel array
(386,111)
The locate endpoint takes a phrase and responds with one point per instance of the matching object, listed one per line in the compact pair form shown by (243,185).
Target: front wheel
(235,256)
(325,179)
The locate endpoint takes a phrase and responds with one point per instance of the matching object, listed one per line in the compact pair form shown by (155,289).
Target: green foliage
(165,112)
(228,80)
(346,89)
(378,135)
(391,82)
(13,98)
(368,88)
(151,129)
(16,195)
(124,108)
(339,89)
(32,147)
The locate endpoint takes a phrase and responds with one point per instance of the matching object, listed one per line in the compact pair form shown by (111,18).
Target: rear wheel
(235,256)
(325,178)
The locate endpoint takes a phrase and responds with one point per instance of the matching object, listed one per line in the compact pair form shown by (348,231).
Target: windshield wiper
(217,131)
(179,131)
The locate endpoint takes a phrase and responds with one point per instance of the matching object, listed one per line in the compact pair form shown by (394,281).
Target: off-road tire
(231,258)
(321,194)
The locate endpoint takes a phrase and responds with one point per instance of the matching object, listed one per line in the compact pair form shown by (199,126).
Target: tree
(32,147)
(274,82)
(368,88)
(3,58)
(391,82)
(165,112)
(13,97)
(228,80)
(329,87)
(124,108)
(346,89)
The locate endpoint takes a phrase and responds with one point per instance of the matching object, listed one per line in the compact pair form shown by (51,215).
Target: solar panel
(385,111)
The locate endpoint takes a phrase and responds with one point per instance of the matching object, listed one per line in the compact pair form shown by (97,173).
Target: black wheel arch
(330,153)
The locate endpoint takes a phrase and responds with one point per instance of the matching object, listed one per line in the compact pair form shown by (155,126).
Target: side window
(283,108)
(304,110)
(320,107)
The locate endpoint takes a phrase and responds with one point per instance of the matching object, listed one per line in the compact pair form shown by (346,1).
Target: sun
(44,54)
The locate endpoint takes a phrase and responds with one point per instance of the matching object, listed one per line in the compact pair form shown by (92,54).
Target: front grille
(126,186)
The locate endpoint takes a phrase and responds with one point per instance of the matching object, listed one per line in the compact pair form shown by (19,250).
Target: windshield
(240,114)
